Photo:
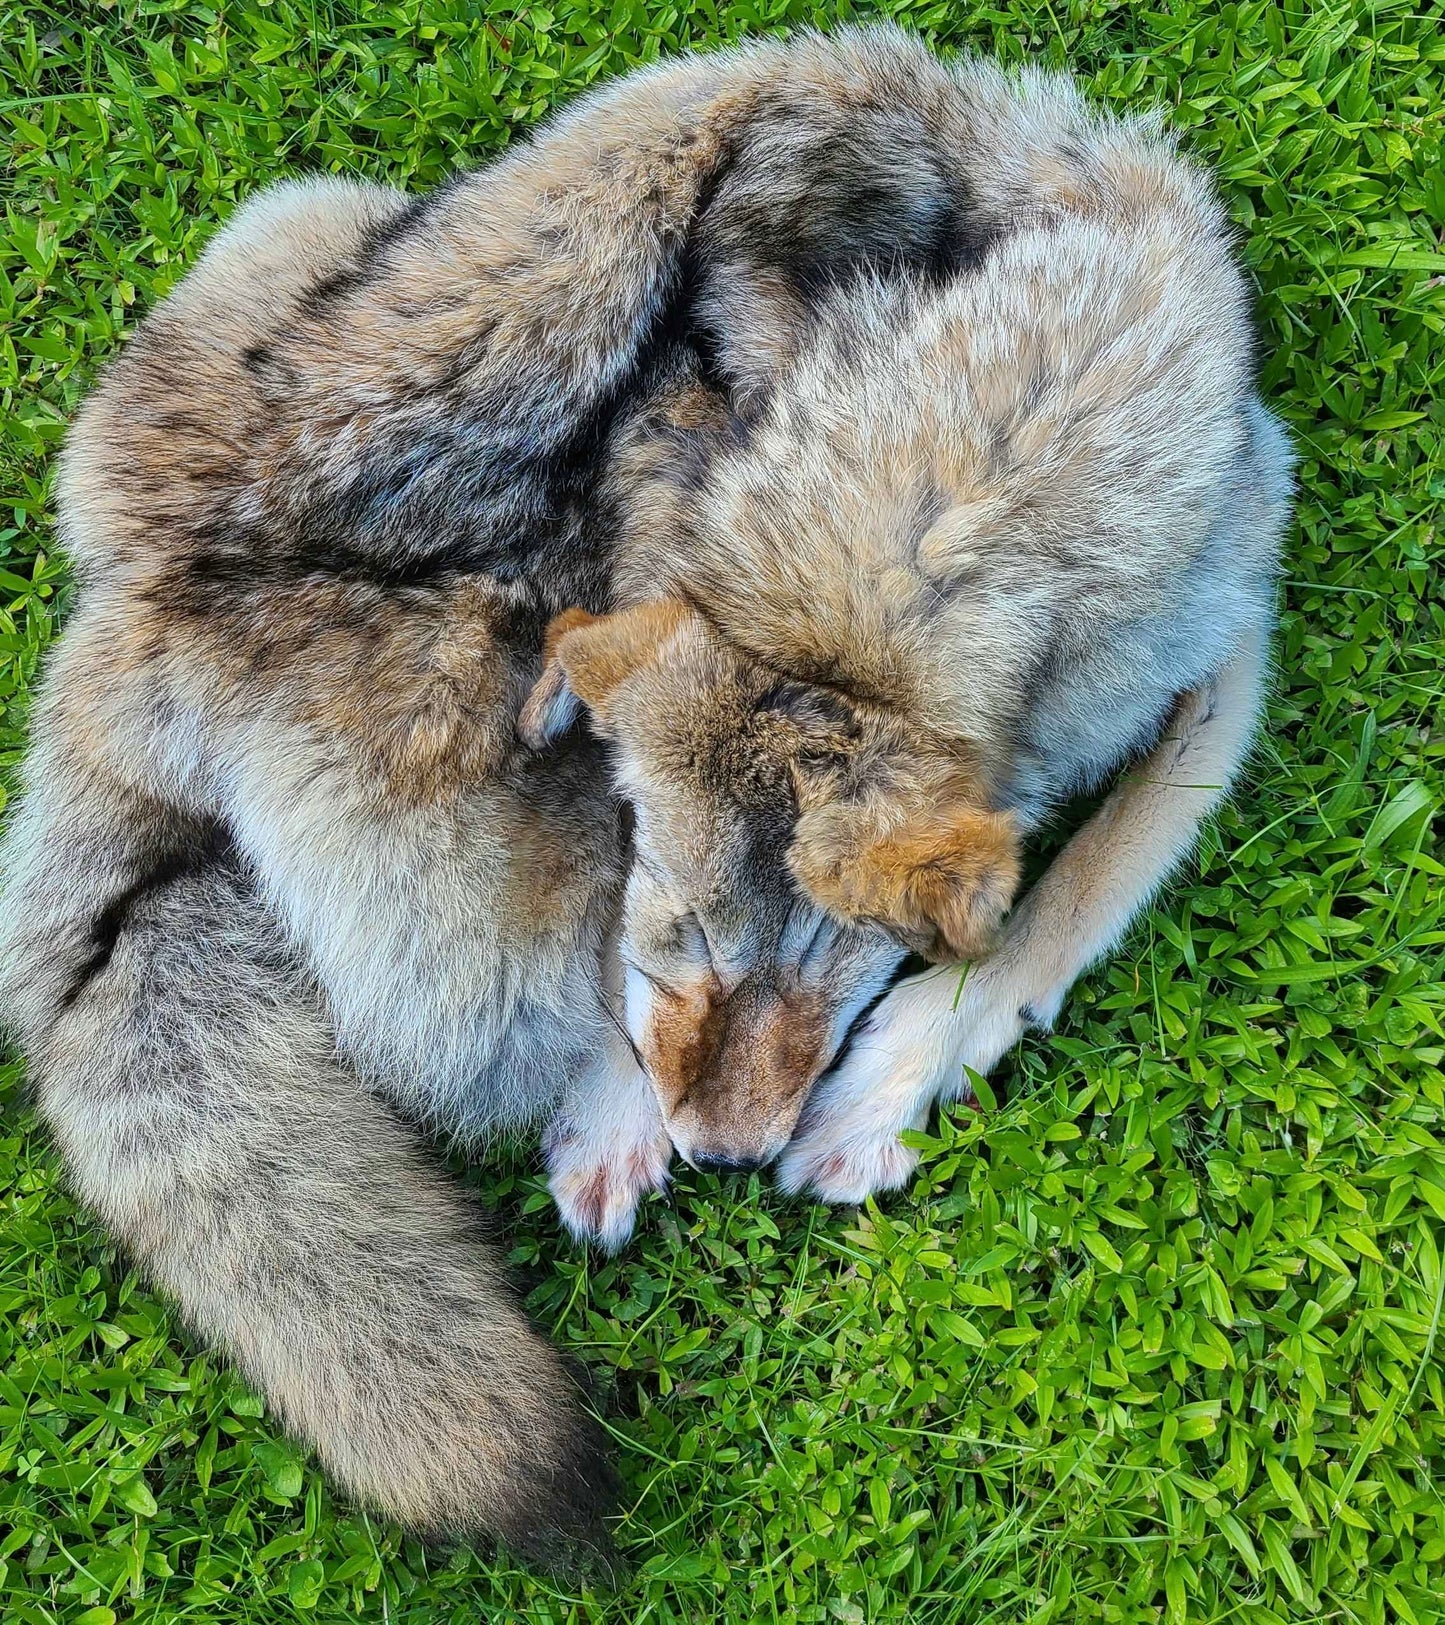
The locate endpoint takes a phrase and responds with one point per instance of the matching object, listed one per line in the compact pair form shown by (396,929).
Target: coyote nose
(720,1162)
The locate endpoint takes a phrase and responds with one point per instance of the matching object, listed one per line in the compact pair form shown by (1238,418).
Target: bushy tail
(184,1062)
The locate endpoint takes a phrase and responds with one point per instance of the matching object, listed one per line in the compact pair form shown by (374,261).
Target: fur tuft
(941,886)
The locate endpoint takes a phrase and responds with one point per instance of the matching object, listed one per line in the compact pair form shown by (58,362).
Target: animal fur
(924,394)
(1005,517)
(738,988)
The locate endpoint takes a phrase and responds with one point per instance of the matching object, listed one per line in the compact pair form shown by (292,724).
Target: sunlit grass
(1158,1336)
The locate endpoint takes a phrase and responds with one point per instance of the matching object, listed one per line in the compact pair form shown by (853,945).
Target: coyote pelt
(929,389)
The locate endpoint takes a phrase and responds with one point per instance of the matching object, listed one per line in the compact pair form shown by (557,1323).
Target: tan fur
(684,1040)
(598,656)
(942,886)
(420,695)
(291,647)
(222,1192)
(927,390)
(749,1076)
(1013,513)
(940,878)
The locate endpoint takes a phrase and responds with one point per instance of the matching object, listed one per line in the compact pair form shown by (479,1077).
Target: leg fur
(194,1092)
(607,1148)
(916,1046)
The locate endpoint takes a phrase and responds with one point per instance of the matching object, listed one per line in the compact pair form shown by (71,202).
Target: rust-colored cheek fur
(941,887)
(684,1039)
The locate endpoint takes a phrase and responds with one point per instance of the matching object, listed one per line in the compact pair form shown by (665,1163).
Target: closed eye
(806,938)
(691,940)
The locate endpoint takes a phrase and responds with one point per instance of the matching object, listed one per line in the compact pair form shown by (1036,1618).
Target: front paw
(918,1046)
(848,1147)
(846,1174)
(598,1183)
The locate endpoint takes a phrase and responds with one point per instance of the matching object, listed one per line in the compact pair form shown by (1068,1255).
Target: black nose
(723,1162)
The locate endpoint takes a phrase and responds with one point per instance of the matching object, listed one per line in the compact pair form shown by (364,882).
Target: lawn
(1155,1336)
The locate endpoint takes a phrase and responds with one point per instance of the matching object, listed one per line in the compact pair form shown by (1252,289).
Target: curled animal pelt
(928,387)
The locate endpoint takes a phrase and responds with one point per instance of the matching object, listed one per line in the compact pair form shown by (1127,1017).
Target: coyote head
(774,890)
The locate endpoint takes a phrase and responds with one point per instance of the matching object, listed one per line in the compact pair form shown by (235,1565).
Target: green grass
(1159,1337)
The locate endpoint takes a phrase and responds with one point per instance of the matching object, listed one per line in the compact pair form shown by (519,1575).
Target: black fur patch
(823,205)
(814,708)
(499,471)
(461,499)
(275,376)
(187,857)
(329,289)
(366,267)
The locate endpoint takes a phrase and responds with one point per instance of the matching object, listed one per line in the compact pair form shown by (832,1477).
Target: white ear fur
(551,708)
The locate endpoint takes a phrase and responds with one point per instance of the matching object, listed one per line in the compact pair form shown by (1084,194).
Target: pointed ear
(585,658)
(551,708)
(942,887)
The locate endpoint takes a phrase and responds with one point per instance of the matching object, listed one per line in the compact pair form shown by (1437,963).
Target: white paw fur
(606,1149)
(913,1050)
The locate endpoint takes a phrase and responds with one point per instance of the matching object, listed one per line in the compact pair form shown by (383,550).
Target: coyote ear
(551,708)
(942,887)
(585,657)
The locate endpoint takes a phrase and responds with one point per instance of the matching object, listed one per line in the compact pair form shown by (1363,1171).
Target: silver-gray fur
(283,857)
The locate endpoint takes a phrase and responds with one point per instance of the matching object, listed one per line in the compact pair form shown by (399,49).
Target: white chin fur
(636,1004)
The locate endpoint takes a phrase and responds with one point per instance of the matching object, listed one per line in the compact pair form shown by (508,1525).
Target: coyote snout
(738,989)
(732,1071)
